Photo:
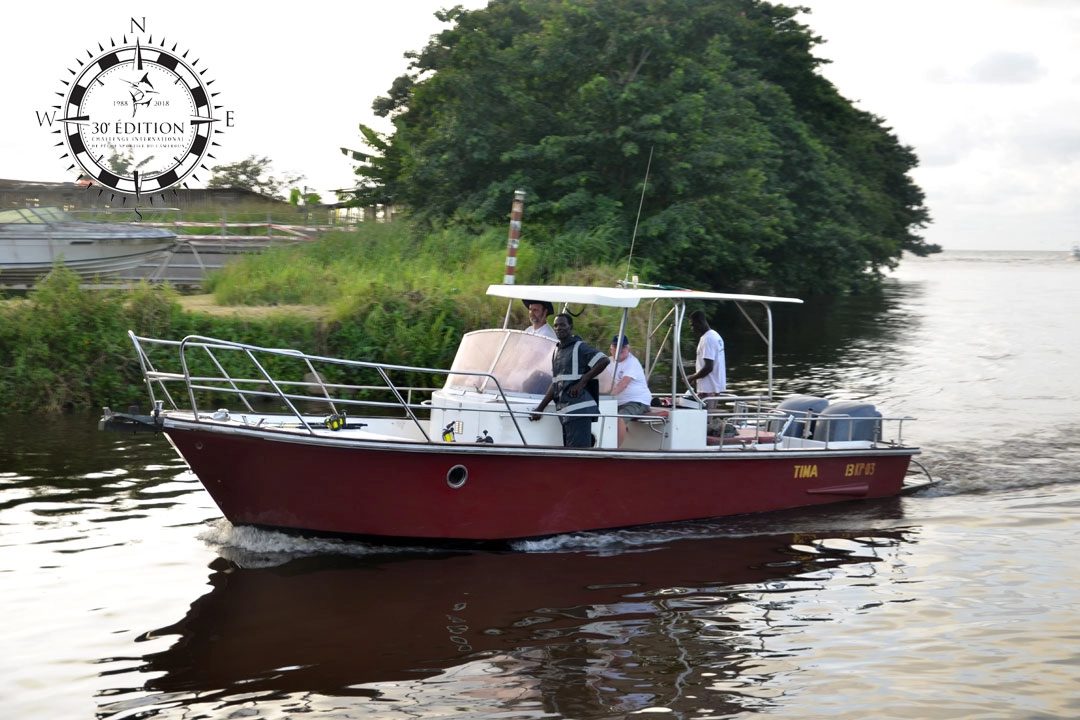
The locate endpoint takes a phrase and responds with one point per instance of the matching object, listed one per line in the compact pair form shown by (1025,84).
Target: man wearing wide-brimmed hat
(539,310)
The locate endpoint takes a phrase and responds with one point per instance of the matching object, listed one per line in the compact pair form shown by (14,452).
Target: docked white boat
(33,240)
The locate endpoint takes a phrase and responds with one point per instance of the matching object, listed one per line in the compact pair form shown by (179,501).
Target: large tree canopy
(759,171)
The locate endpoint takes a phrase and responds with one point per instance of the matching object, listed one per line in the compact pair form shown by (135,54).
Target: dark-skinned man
(573,366)
(710,366)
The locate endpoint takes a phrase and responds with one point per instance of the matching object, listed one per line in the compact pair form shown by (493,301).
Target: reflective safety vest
(568,366)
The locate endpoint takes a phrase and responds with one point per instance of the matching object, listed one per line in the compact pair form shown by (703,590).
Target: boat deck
(285,393)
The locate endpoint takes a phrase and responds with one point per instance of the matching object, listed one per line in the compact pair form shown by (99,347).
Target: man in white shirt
(710,366)
(631,389)
(539,310)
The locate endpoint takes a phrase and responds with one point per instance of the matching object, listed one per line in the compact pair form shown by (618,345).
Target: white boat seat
(655,416)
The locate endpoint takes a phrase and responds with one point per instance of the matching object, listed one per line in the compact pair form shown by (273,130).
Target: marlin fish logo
(141,93)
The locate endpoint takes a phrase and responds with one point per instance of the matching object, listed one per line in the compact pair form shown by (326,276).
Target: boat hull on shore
(33,240)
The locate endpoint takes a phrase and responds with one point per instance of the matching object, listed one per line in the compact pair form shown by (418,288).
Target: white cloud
(1008,68)
(986,92)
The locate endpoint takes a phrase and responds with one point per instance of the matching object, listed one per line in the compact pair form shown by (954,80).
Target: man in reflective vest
(573,366)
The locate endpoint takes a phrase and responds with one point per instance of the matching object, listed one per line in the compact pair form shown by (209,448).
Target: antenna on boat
(641,202)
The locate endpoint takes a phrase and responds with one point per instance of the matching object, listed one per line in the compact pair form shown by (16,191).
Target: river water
(124,595)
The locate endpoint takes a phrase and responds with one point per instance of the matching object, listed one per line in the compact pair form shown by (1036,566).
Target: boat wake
(253,548)
(1051,458)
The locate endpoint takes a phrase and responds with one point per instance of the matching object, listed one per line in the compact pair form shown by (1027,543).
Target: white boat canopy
(617,296)
(626,298)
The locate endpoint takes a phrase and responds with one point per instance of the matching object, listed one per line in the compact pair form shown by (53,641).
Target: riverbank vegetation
(383,292)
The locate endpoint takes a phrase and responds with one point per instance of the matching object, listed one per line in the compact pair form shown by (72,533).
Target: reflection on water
(65,465)
(125,596)
(661,626)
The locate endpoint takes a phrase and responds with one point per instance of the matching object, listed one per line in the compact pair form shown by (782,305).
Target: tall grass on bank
(349,271)
(63,347)
(385,282)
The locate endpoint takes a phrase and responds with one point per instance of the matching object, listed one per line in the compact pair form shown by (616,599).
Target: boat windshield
(519,360)
(41,215)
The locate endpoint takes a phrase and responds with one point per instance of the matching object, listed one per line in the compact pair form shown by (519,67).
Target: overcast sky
(987,92)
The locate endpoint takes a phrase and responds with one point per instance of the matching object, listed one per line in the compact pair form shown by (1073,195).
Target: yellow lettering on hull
(859,469)
(806,471)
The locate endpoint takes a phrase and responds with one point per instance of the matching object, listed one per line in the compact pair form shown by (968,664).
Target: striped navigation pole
(515,235)
(512,246)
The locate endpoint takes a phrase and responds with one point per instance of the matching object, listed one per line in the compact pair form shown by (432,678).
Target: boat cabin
(500,375)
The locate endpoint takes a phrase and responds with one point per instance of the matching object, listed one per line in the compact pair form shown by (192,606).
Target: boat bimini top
(619,297)
(627,298)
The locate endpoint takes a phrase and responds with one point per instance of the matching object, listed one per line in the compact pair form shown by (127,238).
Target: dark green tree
(252,173)
(761,174)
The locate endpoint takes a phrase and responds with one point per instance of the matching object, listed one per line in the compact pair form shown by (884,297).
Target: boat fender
(456,476)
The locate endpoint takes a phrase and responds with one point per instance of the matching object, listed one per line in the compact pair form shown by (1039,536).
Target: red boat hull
(401,490)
